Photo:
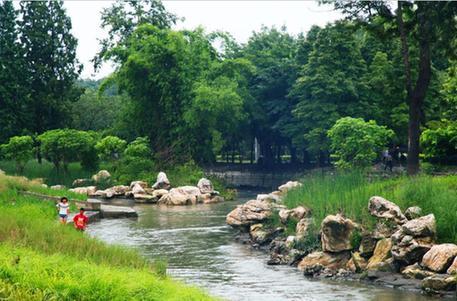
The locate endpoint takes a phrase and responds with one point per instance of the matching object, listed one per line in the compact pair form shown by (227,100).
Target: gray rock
(162,181)
(337,233)
(249,213)
(382,208)
(205,185)
(413,212)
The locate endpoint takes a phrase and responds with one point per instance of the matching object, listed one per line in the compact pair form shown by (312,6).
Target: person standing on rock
(64,209)
(80,220)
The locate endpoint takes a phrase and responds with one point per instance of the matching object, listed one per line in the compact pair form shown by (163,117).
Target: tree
(422,24)
(329,87)
(110,148)
(13,93)
(63,146)
(122,19)
(19,149)
(439,142)
(356,143)
(52,67)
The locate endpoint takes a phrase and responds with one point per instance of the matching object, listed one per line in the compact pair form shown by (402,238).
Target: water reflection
(200,250)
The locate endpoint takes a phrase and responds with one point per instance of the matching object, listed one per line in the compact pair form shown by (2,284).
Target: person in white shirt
(64,209)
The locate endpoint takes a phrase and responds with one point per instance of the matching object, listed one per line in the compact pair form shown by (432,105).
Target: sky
(239,18)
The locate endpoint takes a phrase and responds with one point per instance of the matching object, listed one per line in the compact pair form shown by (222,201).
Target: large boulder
(137,189)
(357,263)
(119,190)
(159,193)
(318,261)
(205,186)
(81,182)
(453,268)
(336,233)
(296,213)
(440,257)
(89,190)
(380,255)
(260,235)
(288,186)
(102,176)
(424,226)
(249,213)
(382,208)
(413,212)
(367,245)
(162,181)
(184,195)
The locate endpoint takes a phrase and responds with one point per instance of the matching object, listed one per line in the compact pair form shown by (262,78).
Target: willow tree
(429,27)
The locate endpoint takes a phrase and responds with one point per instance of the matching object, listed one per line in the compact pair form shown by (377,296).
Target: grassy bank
(350,192)
(43,260)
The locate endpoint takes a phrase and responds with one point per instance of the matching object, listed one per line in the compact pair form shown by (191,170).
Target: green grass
(43,260)
(349,193)
(47,172)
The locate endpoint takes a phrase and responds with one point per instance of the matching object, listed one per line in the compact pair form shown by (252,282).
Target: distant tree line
(202,96)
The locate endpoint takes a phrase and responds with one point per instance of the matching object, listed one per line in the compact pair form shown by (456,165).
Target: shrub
(357,143)
(110,148)
(63,146)
(439,142)
(19,149)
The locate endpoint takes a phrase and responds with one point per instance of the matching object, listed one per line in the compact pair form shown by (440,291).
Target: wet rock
(57,187)
(336,233)
(184,195)
(288,186)
(315,262)
(415,271)
(382,208)
(162,181)
(381,254)
(413,212)
(89,190)
(260,235)
(102,176)
(424,226)
(367,245)
(303,227)
(439,283)
(205,185)
(249,213)
(142,184)
(440,257)
(144,198)
(137,189)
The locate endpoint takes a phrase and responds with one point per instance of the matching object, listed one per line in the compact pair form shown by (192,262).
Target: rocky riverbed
(401,251)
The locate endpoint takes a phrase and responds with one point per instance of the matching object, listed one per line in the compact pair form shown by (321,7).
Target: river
(200,250)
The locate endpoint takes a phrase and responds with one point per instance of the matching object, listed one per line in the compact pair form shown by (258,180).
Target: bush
(110,148)
(439,142)
(19,149)
(63,146)
(356,143)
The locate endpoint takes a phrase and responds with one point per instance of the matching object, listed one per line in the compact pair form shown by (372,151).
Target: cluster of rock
(160,192)
(400,243)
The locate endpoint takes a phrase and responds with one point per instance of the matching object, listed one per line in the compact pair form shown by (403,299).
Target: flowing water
(200,250)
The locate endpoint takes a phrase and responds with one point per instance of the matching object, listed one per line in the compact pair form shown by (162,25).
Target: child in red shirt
(80,220)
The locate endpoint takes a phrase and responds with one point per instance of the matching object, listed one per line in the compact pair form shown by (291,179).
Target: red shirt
(80,221)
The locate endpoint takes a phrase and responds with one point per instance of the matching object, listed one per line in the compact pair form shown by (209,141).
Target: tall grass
(349,193)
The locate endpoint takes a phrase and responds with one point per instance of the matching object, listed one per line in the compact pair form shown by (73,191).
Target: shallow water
(200,249)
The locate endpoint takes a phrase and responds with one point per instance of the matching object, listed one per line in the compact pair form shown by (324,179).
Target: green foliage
(357,143)
(110,148)
(138,148)
(349,193)
(63,146)
(439,143)
(19,149)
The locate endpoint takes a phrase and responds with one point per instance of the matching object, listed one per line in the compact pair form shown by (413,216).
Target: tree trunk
(420,89)
(416,96)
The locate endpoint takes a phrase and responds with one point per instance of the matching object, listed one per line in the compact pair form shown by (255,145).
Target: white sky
(239,18)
